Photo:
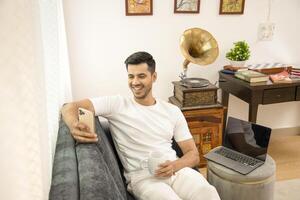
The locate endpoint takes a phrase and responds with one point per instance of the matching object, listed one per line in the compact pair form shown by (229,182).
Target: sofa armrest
(64,184)
(85,171)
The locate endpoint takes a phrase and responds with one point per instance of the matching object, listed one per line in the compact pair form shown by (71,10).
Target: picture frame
(232,7)
(139,7)
(186,6)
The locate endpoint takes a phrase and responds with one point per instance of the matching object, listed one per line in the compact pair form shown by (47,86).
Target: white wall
(100,37)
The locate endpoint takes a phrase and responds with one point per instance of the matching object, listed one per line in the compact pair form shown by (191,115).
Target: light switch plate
(266,31)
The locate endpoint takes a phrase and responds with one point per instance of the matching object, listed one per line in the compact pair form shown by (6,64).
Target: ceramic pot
(237,63)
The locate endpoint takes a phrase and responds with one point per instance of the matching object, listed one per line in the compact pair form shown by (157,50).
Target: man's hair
(141,57)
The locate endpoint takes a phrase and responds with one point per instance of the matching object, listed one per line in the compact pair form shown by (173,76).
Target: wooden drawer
(279,95)
(213,115)
(298,94)
(208,111)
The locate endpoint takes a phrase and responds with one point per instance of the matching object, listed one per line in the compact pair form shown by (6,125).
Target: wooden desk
(259,94)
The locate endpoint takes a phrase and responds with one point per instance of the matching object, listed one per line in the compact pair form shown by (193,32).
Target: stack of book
(229,69)
(295,74)
(252,76)
(234,69)
(282,77)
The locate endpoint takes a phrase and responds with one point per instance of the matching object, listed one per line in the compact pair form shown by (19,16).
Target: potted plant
(238,54)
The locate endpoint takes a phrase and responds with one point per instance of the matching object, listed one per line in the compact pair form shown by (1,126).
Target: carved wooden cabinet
(206,124)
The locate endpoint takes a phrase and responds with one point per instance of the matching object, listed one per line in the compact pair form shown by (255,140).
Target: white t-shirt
(137,130)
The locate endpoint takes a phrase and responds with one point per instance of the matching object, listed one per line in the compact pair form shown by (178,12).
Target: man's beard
(144,90)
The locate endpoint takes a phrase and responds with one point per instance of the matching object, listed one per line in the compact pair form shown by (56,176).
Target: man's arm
(79,131)
(190,158)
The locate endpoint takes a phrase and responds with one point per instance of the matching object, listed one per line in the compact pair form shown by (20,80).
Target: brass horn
(198,46)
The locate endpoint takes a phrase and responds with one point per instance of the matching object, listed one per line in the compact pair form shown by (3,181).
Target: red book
(282,77)
(295,73)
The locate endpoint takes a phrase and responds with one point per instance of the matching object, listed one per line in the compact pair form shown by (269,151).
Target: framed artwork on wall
(231,7)
(139,7)
(186,6)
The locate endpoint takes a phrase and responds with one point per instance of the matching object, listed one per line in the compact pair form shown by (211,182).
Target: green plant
(239,52)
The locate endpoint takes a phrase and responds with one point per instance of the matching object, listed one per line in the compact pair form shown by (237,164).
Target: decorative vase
(237,63)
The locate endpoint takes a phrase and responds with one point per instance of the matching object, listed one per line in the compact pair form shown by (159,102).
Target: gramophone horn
(199,47)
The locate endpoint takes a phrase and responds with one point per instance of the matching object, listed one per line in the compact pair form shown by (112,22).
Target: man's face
(140,80)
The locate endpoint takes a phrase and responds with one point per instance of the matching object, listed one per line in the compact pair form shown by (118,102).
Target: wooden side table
(260,93)
(206,124)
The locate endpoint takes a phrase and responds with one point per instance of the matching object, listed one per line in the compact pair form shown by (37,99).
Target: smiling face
(140,81)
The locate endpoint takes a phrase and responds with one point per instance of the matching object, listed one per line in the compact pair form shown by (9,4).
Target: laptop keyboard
(237,157)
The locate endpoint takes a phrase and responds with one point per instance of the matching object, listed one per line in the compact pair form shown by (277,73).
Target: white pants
(186,184)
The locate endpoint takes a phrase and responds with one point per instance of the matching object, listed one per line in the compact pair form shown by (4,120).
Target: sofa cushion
(105,126)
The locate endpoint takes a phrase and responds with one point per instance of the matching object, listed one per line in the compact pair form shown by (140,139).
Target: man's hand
(167,169)
(190,158)
(79,131)
(82,134)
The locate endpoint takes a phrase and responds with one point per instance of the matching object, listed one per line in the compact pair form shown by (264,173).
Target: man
(143,124)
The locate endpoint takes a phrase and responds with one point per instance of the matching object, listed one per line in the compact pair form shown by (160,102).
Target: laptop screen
(247,138)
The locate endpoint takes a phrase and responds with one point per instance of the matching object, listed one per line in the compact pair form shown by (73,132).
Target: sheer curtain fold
(55,61)
(34,82)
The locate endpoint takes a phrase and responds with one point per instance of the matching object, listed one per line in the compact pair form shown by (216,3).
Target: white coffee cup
(155,159)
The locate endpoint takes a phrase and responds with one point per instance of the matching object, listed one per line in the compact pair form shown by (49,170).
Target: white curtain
(34,82)
(55,62)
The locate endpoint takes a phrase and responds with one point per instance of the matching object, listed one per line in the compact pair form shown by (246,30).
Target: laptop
(244,147)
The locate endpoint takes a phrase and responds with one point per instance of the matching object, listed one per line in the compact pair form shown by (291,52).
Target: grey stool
(258,185)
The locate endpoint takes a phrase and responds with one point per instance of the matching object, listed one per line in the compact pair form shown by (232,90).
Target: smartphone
(87,117)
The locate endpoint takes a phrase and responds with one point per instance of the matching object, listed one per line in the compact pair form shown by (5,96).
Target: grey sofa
(88,171)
